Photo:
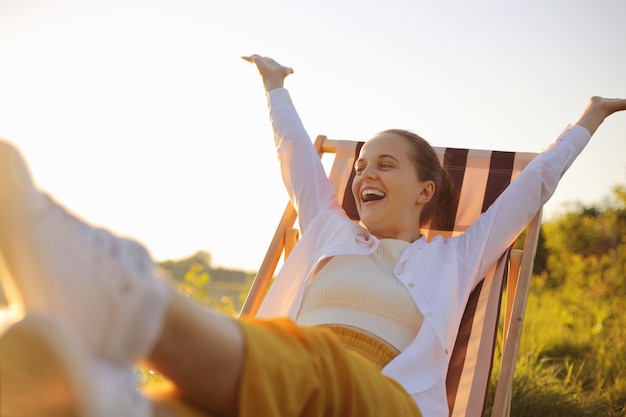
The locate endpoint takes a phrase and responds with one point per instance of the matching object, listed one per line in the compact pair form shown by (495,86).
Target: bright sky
(140,116)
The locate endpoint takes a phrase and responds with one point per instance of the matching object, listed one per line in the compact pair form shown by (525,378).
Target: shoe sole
(43,371)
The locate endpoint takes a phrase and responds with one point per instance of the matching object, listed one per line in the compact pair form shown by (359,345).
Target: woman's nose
(368,172)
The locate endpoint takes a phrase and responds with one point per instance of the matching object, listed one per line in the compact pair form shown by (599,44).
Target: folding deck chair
(480,176)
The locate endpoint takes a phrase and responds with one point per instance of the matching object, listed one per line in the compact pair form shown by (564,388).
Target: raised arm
(496,228)
(303,173)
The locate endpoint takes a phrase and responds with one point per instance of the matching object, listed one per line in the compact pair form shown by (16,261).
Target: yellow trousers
(293,371)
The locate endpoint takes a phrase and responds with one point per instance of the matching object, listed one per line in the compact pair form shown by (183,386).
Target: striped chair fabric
(480,176)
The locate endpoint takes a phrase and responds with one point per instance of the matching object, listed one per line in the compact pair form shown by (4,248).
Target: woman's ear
(426,193)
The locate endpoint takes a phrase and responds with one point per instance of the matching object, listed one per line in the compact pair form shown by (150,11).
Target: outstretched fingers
(598,109)
(267,65)
(272,72)
(609,105)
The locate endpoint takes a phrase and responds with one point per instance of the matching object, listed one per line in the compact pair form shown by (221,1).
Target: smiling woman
(360,321)
(400,156)
(389,194)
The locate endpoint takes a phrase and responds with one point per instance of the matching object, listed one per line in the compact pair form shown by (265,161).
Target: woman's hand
(272,72)
(598,109)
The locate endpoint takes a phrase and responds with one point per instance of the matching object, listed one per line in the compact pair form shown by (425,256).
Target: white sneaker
(47,372)
(106,286)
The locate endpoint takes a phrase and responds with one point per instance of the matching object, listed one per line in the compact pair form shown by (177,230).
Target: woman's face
(389,196)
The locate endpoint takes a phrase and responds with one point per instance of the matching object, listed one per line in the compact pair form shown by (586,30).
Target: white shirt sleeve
(306,182)
(497,228)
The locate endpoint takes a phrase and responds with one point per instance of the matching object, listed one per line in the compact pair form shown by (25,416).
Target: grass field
(572,358)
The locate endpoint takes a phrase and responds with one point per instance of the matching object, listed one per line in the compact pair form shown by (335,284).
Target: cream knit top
(360,291)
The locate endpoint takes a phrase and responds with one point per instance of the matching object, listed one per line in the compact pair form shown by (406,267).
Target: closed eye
(383,165)
(384,161)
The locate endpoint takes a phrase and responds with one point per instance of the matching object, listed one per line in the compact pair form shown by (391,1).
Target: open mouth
(370,194)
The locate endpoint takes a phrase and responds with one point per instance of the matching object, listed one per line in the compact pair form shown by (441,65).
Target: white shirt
(439,275)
